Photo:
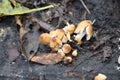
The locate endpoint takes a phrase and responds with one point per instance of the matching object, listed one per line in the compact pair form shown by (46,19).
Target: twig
(94,21)
(43,24)
(85,6)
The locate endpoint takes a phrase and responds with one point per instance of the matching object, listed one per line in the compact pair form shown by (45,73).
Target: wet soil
(99,55)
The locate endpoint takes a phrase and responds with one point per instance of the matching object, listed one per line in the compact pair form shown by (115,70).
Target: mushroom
(67,60)
(59,33)
(55,43)
(61,52)
(66,48)
(74,53)
(56,39)
(84,28)
(100,77)
(69,28)
(44,38)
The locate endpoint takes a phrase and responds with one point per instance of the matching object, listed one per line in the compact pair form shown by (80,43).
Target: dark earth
(98,55)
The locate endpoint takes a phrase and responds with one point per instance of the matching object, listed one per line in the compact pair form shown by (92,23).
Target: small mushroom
(59,33)
(56,48)
(74,53)
(100,77)
(84,28)
(44,38)
(61,52)
(67,60)
(55,43)
(53,33)
(69,28)
(66,48)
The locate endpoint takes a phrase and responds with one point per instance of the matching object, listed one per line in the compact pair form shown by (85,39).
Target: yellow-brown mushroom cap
(55,43)
(74,53)
(61,52)
(67,59)
(59,33)
(82,25)
(66,48)
(69,28)
(100,77)
(44,38)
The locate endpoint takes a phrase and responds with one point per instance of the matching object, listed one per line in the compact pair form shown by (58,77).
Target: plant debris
(49,58)
(30,43)
(6,8)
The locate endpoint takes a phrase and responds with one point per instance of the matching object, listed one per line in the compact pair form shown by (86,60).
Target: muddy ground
(104,43)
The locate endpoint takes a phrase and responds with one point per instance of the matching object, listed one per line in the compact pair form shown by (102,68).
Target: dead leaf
(30,43)
(12,54)
(18,21)
(23,31)
(50,58)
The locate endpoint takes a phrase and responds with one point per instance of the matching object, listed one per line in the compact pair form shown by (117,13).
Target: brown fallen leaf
(30,43)
(50,58)
(12,54)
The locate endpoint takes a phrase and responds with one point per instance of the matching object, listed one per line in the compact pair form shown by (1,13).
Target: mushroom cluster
(57,39)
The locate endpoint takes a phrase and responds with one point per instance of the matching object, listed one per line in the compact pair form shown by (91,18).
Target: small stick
(85,6)
(94,21)
(43,25)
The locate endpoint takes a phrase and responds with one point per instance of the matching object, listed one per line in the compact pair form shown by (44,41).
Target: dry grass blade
(85,6)
(43,24)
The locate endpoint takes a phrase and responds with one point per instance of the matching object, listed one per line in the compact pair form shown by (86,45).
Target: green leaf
(6,8)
